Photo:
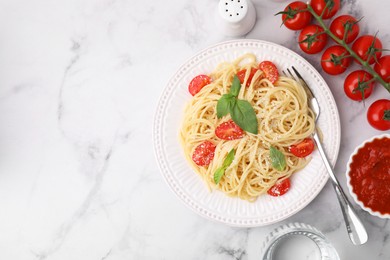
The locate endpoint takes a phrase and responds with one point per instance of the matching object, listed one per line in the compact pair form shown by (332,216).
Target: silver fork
(356,231)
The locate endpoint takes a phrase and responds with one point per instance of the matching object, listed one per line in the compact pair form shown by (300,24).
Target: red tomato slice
(270,70)
(204,153)
(229,131)
(303,148)
(280,188)
(241,76)
(198,83)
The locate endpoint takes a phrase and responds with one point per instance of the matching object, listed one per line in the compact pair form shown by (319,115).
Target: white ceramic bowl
(353,194)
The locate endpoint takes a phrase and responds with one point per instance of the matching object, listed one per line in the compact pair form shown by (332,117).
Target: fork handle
(356,231)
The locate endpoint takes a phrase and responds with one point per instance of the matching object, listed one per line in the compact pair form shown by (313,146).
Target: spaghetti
(283,116)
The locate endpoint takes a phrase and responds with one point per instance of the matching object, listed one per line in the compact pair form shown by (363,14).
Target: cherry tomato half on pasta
(229,131)
(242,73)
(378,114)
(270,70)
(293,17)
(204,153)
(356,85)
(335,60)
(330,6)
(303,148)
(198,83)
(312,39)
(382,67)
(280,188)
(368,48)
(343,24)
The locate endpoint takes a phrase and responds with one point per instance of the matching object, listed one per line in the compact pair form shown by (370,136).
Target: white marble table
(79,84)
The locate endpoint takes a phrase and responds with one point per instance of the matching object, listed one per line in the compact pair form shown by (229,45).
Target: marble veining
(80,81)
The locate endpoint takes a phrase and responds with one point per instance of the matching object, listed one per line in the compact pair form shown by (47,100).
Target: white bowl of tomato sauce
(368,175)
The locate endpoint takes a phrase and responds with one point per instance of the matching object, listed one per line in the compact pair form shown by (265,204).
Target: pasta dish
(246,129)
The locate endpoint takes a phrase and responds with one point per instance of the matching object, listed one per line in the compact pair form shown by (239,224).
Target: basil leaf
(244,116)
(226,163)
(224,104)
(277,159)
(229,159)
(241,111)
(236,86)
(218,174)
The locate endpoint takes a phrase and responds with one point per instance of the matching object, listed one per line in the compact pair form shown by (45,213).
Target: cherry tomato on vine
(382,67)
(378,114)
(335,60)
(312,39)
(241,76)
(198,83)
(270,70)
(303,148)
(294,18)
(279,188)
(356,85)
(368,48)
(331,6)
(343,24)
(204,153)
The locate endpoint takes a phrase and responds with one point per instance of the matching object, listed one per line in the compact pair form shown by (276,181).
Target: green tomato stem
(365,64)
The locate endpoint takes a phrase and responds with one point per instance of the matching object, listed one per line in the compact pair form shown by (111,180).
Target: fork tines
(300,79)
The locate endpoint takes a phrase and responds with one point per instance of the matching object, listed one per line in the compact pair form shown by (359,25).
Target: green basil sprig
(277,159)
(226,163)
(240,110)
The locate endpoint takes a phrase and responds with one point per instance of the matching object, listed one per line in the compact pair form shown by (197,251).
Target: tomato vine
(363,63)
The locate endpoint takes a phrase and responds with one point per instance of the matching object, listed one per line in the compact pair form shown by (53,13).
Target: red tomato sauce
(370,175)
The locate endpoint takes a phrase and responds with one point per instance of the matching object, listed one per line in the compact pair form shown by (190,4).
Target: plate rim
(158,117)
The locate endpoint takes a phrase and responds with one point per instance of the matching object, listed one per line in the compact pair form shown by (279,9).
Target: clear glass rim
(327,251)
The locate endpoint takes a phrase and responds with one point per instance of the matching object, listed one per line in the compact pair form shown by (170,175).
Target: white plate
(189,187)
